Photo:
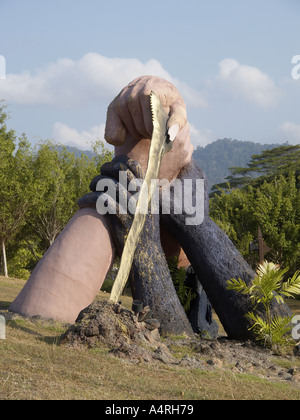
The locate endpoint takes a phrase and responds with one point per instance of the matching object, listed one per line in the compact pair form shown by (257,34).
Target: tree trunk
(4,258)
(30,247)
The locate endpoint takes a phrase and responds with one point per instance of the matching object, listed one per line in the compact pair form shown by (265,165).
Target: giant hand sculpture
(70,274)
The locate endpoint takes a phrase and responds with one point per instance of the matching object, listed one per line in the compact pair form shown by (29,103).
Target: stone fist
(129,124)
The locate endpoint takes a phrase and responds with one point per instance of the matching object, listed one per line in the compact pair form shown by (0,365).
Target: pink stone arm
(70,274)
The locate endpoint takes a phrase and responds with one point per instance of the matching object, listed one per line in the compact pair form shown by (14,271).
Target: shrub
(268,284)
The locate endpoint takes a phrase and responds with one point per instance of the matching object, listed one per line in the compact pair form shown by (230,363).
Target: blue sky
(230,59)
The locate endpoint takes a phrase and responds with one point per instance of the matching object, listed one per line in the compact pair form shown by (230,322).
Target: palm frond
(267,285)
(238,285)
(273,334)
(266,267)
(291,287)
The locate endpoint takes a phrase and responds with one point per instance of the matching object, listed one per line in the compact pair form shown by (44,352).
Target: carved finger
(128,111)
(139,108)
(177,114)
(115,131)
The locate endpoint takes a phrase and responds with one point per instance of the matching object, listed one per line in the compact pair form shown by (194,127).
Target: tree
(274,206)
(16,184)
(39,192)
(60,179)
(266,193)
(7,146)
(216,158)
(264,167)
(100,154)
(55,196)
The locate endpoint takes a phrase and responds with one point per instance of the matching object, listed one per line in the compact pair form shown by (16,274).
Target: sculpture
(72,271)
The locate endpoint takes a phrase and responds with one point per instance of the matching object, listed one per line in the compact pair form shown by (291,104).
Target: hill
(77,152)
(216,158)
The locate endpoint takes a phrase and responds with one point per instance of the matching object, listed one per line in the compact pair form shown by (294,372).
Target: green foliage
(274,334)
(178,274)
(274,206)
(20,259)
(39,191)
(100,154)
(216,158)
(268,284)
(266,193)
(16,184)
(271,163)
(60,178)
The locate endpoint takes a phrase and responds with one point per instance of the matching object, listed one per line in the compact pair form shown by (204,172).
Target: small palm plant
(268,284)
(178,275)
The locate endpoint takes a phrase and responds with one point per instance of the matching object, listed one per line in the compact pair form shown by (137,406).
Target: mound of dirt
(119,329)
(105,323)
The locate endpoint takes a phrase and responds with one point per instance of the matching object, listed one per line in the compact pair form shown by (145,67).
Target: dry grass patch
(34,366)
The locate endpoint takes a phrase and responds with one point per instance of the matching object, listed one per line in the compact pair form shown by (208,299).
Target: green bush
(268,284)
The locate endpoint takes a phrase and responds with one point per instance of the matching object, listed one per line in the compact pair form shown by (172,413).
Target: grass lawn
(34,366)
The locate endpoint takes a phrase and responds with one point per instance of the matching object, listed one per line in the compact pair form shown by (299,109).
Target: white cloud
(291,131)
(201,137)
(93,77)
(64,134)
(249,82)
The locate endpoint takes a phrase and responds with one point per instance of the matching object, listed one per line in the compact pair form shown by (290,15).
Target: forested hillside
(270,200)
(216,158)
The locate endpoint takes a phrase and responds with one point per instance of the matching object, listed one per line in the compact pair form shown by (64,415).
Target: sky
(235,62)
